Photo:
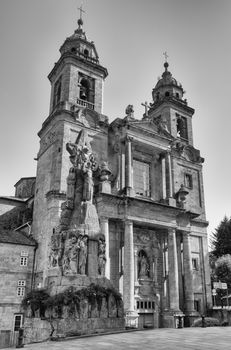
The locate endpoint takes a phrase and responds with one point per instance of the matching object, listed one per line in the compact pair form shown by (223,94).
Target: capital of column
(103,219)
(128,138)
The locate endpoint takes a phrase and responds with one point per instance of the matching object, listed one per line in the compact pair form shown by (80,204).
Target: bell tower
(76,103)
(169,105)
(77,78)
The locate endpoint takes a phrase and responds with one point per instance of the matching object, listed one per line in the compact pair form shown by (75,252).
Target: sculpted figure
(143,266)
(70,262)
(101,257)
(83,255)
(82,159)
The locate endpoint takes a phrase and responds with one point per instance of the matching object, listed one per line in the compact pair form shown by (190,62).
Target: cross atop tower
(165,56)
(81,10)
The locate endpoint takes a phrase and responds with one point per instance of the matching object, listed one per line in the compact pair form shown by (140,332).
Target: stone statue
(56,250)
(101,257)
(129,111)
(143,267)
(88,185)
(82,158)
(70,261)
(82,255)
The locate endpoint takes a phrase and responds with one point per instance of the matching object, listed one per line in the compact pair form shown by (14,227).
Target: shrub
(209,322)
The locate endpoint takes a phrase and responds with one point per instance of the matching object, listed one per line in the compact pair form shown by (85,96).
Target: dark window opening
(84,90)
(167,94)
(57,92)
(188,181)
(177,95)
(197,305)
(17,322)
(181,126)
(195,264)
(86,52)
(73,50)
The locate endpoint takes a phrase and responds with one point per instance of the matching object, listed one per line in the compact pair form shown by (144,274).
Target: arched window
(84,89)
(143,265)
(181,126)
(86,53)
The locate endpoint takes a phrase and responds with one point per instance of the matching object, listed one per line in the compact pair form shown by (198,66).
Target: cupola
(167,86)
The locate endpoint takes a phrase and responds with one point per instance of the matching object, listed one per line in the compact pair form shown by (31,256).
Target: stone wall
(74,312)
(223,315)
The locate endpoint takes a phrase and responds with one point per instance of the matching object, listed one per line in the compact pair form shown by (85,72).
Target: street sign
(219,285)
(214,292)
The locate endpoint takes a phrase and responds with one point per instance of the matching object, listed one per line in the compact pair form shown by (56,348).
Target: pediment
(152,125)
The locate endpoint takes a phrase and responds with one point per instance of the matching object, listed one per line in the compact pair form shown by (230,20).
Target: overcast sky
(130,37)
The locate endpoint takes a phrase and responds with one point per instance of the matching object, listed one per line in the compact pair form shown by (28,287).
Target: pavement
(211,338)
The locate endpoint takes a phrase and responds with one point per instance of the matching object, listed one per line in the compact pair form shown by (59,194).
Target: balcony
(84,103)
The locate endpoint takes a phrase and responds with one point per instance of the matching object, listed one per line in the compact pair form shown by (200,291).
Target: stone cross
(166,56)
(81,10)
(145,104)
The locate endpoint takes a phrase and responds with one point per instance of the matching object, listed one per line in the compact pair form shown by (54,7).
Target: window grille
(23,261)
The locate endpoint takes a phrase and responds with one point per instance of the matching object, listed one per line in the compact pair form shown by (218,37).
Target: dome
(167,79)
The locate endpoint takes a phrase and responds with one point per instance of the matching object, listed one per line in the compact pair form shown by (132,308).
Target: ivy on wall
(94,294)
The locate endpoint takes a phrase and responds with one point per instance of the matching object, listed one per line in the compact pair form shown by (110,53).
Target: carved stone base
(131,319)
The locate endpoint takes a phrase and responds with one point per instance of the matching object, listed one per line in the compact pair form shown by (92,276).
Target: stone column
(188,274)
(128,267)
(129,277)
(169,173)
(135,265)
(163,167)
(173,271)
(128,166)
(105,231)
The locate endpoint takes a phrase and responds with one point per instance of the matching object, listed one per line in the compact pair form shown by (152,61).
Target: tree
(223,269)
(220,240)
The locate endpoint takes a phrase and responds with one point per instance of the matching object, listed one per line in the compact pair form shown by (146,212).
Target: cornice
(171,100)
(83,60)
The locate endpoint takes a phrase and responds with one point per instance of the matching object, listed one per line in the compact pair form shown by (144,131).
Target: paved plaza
(213,338)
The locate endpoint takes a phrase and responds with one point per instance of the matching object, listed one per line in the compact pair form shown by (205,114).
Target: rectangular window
(188,182)
(24,253)
(20,291)
(141,177)
(23,261)
(195,264)
(197,305)
(21,283)
(17,322)
(181,126)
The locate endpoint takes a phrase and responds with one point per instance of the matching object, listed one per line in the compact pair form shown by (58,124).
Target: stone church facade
(122,200)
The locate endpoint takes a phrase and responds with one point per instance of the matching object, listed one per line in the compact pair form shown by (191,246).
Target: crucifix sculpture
(81,10)
(165,56)
(145,104)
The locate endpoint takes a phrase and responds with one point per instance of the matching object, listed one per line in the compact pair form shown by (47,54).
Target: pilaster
(173,271)
(105,231)
(129,277)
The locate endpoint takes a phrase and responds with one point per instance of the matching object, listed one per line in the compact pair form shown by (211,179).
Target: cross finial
(81,10)
(146,106)
(165,56)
